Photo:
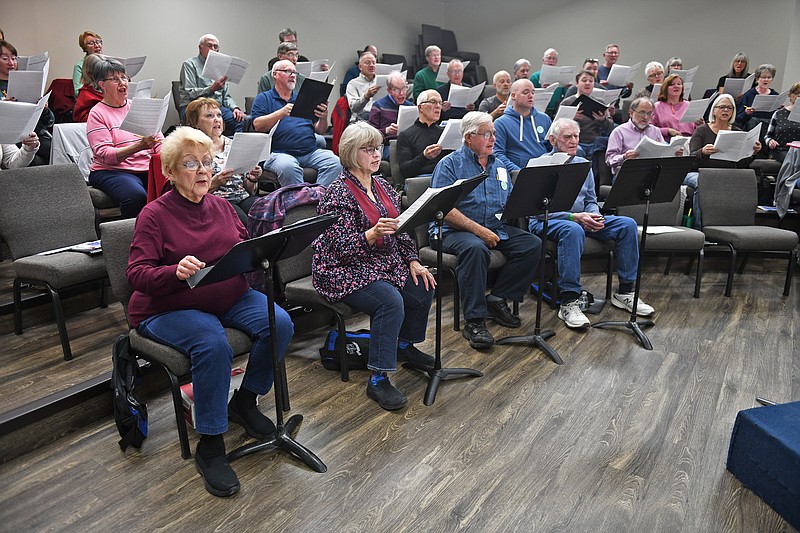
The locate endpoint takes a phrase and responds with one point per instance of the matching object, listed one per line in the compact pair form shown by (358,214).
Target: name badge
(502,177)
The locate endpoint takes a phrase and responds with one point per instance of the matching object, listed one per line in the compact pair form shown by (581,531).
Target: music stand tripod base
(437,375)
(634,326)
(535,341)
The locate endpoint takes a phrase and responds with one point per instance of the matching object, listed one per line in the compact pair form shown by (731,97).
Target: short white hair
(206,37)
(395,76)
(549,51)
(472,122)
(561,124)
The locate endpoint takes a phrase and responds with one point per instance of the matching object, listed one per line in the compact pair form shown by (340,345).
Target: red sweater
(167,230)
(87,99)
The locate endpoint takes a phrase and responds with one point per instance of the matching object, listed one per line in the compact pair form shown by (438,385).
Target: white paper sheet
(561,75)
(735,145)
(218,65)
(140,89)
(133,65)
(406,115)
(146,115)
(542,96)
(441,74)
(695,111)
(18,119)
(248,149)
(558,158)
(608,97)
(450,139)
(461,96)
(564,111)
(384,68)
(648,148)
(769,102)
(620,75)
(36,62)
(27,85)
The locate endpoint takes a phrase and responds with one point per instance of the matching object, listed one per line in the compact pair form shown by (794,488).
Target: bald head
(522,96)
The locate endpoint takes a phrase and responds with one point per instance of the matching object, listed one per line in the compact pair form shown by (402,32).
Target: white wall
(704,33)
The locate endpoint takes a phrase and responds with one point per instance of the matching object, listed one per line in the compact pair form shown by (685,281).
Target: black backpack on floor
(130,414)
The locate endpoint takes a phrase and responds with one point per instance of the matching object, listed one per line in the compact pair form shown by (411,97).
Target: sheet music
(737,86)
(620,75)
(18,119)
(657,230)
(564,111)
(140,89)
(133,65)
(461,96)
(558,158)
(303,68)
(383,90)
(769,102)
(608,97)
(430,192)
(316,65)
(450,139)
(322,75)
(695,110)
(441,75)
(687,90)
(648,148)
(542,96)
(36,62)
(561,75)
(735,145)
(146,115)
(686,75)
(794,115)
(406,115)
(218,65)
(248,149)
(27,85)
(384,68)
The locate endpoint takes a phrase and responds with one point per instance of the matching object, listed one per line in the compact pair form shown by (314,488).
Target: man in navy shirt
(294,145)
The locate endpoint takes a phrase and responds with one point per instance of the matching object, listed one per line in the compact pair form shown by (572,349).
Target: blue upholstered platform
(765,456)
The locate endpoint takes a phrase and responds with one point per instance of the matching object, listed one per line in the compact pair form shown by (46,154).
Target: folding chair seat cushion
(745,238)
(62,269)
(302,290)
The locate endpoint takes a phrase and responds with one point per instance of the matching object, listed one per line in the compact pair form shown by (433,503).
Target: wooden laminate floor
(616,439)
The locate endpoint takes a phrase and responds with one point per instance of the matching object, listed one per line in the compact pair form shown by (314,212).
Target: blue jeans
(521,250)
(128,189)
(691,181)
(393,315)
(570,237)
(290,168)
(201,337)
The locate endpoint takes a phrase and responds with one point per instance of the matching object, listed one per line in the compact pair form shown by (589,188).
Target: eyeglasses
(291,54)
(369,150)
(655,74)
(724,107)
(486,135)
(93,43)
(288,72)
(122,79)
(194,164)
(432,102)
(399,89)
(8,58)
(213,46)
(643,113)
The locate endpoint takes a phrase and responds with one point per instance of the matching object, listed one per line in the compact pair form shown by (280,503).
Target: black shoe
(500,313)
(255,423)
(476,333)
(218,476)
(415,356)
(386,394)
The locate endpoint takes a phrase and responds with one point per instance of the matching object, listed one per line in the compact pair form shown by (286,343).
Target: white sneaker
(625,301)
(572,315)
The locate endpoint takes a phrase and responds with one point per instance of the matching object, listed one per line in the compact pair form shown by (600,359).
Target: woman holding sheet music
(13,157)
(738,70)
(240,190)
(669,110)
(176,235)
(781,130)
(121,159)
(362,261)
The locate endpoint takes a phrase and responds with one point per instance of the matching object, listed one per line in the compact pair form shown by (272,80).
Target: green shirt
(425,79)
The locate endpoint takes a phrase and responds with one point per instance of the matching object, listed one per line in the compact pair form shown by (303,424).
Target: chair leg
(731,270)
(744,262)
(177,403)
(609,280)
(341,343)
(17,307)
(669,264)
(103,293)
(456,301)
(788,284)
(60,322)
(689,266)
(699,275)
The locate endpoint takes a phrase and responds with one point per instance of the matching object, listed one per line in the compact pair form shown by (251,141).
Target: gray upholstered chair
(688,240)
(293,275)
(30,224)
(728,199)
(116,239)
(427,254)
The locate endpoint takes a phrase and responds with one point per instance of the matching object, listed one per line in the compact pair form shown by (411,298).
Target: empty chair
(30,225)
(728,199)
(687,240)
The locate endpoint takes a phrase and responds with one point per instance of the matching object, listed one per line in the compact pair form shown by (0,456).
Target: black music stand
(263,252)
(537,191)
(644,181)
(435,208)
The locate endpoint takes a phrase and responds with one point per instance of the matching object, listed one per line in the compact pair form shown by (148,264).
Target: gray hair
(356,135)
(432,48)
(284,32)
(286,46)
(454,63)
(673,60)
(395,76)
(425,95)
(639,101)
(520,62)
(717,101)
(104,67)
(652,65)
(561,124)
(766,67)
(498,74)
(737,57)
(472,122)
(549,51)
(205,37)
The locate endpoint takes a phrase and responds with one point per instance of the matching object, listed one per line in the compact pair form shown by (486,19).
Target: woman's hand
(146,143)
(772,144)
(757,147)
(188,266)
(419,272)
(220,179)
(384,226)
(31,142)
(256,171)
(708,149)
(673,132)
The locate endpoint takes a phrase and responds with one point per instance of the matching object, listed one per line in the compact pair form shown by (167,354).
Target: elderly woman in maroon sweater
(176,235)
(362,261)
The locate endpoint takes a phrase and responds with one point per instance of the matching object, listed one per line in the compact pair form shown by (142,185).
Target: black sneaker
(415,356)
(255,423)
(500,313)
(387,396)
(476,333)
(218,476)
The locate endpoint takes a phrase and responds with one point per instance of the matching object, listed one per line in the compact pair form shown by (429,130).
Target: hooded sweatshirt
(519,138)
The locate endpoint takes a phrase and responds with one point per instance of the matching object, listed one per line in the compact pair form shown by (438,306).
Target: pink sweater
(666,116)
(105,137)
